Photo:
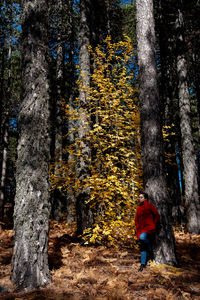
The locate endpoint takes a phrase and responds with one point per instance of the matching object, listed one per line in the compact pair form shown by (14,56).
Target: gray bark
(83,214)
(189,163)
(31,213)
(151,138)
(59,80)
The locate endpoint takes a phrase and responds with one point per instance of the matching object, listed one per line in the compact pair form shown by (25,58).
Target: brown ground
(102,273)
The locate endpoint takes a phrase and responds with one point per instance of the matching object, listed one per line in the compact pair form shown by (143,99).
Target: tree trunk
(197,90)
(71,199)
(59,81)
(151,138)
(30,258)
(189,163)
(5,129)
(3,58)
(108,25)
(168,95)
(195,65)
(84,218)
(4,166)
(59,201)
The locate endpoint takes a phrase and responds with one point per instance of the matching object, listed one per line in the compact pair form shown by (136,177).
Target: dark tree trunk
(3,54)
(180,159)
(71,199)
(59,203)
(5,130)
(31,214)
(84,218)
(151,137)
(197,91)
(168,94)
(189,163)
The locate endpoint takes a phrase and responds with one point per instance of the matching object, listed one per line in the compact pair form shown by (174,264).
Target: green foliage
(115,165)
(129,21)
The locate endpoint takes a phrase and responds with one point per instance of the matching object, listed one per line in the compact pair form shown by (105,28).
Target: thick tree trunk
(151,138)
(84,219)
(168,95)
(189,163)
(30,258)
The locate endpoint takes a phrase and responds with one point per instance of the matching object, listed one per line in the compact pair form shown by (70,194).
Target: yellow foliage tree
(115,166)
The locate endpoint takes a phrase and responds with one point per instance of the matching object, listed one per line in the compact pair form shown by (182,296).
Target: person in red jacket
(146,220)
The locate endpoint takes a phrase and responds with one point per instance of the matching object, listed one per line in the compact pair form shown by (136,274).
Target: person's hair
(146,196)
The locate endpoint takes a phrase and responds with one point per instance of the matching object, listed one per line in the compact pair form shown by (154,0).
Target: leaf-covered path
(99,273)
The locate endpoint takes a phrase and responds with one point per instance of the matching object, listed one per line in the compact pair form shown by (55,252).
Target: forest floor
(101,273)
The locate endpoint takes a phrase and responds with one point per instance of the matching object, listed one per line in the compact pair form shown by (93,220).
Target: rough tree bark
(84,217)
(30,258)
(151,137)
(189,163)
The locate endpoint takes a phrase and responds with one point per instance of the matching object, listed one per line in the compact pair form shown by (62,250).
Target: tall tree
(4,119)
(58,199)
(4,166)
(2,64)
(151,137)
(5,131)
(71,199)
(189,163)
(168,88)
(30,259)
(84,217)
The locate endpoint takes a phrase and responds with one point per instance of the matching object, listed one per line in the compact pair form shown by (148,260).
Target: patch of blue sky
(13,123)
(16,13)
(124,2)
(179,167)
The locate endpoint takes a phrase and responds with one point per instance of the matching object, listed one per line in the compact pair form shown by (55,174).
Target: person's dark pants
(145,247)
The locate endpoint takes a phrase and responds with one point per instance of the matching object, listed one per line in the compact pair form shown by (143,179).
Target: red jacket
(146,218)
